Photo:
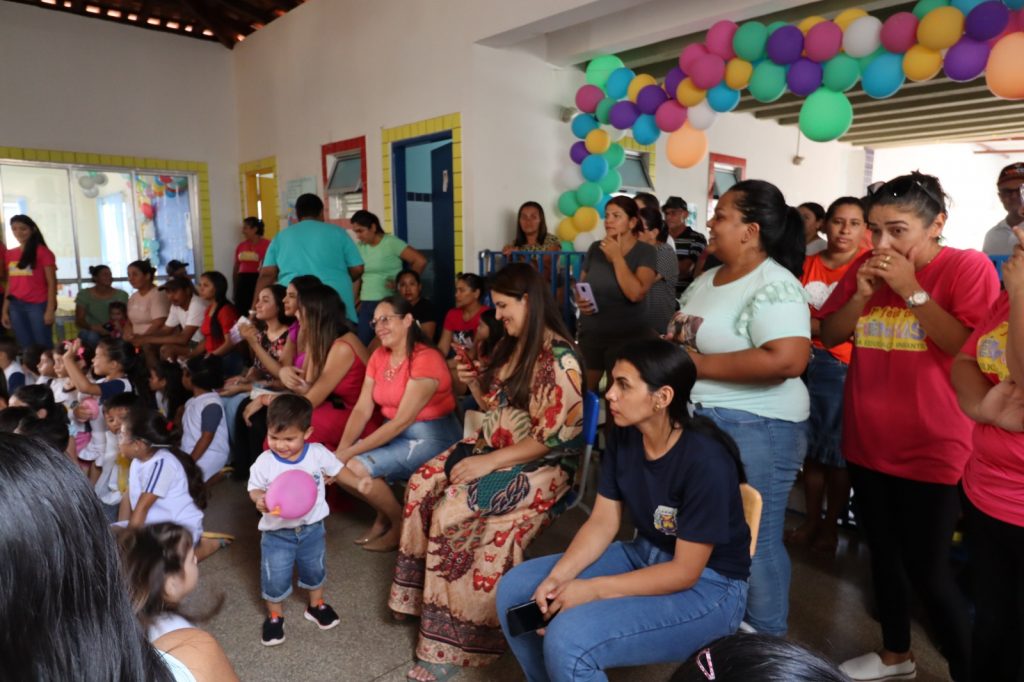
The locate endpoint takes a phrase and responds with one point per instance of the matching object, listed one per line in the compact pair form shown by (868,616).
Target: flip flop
(442,672)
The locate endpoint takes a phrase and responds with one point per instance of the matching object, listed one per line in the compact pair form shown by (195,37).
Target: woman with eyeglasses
(661,299)
(910,305)
(408,380)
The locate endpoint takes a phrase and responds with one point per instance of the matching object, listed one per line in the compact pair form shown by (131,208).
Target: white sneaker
(870,668)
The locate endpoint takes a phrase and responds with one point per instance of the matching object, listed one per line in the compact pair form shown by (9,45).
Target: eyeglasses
(377,321)
(900,187)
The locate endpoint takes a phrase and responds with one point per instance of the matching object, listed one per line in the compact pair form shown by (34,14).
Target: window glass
(164,218)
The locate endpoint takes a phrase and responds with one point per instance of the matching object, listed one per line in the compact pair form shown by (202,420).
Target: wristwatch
(918,298)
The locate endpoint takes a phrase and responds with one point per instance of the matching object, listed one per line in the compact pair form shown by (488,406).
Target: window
(635,174)
(723,173)
(344,172)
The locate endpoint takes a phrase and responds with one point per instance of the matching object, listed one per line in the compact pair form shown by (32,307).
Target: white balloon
(568,177)
(86,182)
(100,179)
(862,37)
(91,193)
(614,133)
(701,116)
(585,239)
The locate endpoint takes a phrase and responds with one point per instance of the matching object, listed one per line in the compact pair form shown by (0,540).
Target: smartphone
(463,355)
(524,618)
(585,293)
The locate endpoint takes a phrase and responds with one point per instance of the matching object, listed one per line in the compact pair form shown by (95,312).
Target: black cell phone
(524,618)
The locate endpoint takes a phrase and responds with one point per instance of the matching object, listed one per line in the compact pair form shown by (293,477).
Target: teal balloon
(722,98)
(594,167)
(618,82)
(603,109)
(616,155)
(645,130)
(611,182)
(749,40)
(966,6)
(589,194)
(567,246)
(600,68)
(768,81)
(825,115)
(884,76)
(841,73)
(602,204)
(925,6)
(1014,4)
(864,61)
(583,124)
(775,26)
(567,203)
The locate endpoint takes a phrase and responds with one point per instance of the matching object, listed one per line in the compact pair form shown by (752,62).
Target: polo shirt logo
(665,519)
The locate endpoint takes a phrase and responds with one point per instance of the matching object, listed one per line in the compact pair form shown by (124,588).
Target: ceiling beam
(964,133)
(246,11)
(204,14)
(954,109)
(939,127)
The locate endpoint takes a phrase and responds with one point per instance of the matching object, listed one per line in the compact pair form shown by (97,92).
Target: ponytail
(152,428)
(781,227)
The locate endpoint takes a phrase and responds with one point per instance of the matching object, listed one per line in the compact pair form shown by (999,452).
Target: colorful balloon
(594,167)
(941,28)
(616,155)
(650,98)
(604,109)
(749,40)
(686,147)
(638,84)
(923,7)
(708,71)
(689,94)
(690,54)
(768,82)
(785,45)
(737,73)
(987,20)
(701,117)
(719,39)
(618,82)
(673,78)
(804,77)
(586,219)
(645,130)
(884,76)
(291,495)
(808,23)
(567,203)
(966,60)
(598,141)
(848,16)
(722,98)
(578,152)
(582,124)
(1004,75)
(825,115)
(566,230)
(899,32)
(671,116)
(611,182)
(841,73)
(823,41)
(921,63)
(862,37)
(600,68)
(623,115)
(965,6)
(588,97)
(588,194)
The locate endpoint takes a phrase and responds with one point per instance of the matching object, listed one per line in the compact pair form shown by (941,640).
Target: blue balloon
(645,130)
(884,76)
(722,98)
(594,167)
(618,82)
(583,124)
(602,204)
(1014,4)
(966,6)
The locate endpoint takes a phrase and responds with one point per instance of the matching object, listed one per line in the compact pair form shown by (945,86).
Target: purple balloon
(987,20)
(785,45)
(623,115)
(966,60)
(578,152)
(672,80)
(650,98)
(804,77)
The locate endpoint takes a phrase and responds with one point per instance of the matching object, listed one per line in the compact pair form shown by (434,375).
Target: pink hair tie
(706,666)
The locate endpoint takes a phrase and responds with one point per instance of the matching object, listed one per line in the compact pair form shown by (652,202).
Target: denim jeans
(583,642)
(772,451)
(412,448)
(28,325)
(281,551)
(366,332)
(89,338)
(826,377)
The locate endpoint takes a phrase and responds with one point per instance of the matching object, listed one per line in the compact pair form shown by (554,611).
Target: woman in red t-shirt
(825,468)
(910,305)
(988,375)
(248,261)
(30,302)
(410,382)
(461,321)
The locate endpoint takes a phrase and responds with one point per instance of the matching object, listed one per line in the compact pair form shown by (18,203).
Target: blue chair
(998,262)
(591,414)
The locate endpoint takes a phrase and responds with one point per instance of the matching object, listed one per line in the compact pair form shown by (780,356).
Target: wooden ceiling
(225,21)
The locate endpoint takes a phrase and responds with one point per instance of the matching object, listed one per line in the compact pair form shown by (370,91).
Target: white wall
(79,84)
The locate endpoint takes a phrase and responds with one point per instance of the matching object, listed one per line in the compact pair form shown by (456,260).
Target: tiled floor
(827,607)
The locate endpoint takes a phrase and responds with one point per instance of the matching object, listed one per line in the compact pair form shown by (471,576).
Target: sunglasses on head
(900,187)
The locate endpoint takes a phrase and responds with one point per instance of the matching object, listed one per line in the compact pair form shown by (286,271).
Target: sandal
(440,672)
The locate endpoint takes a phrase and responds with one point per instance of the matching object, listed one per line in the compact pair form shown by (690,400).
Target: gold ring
(885,266)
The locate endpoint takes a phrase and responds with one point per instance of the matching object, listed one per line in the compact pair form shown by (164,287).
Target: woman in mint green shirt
(384,255)
(92,305)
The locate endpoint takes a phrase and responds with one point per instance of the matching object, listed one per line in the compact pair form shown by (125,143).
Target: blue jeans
(826,377)
(411,449)
(772,451)
(283,550)
(583,642)
(89,338)
(28,325)
(366,331)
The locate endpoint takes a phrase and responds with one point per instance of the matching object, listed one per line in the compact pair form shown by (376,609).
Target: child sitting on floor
(204,430)
(13,371)
(117,313)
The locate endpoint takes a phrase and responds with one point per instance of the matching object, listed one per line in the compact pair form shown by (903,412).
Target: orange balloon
(686,146)
(1004,74)
(738,72)
(688,94)
(941,28)
(921,63)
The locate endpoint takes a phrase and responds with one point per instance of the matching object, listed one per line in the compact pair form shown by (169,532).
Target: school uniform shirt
(112,481)
(206,413)
(249,256)
(28,284)
(98,425)
(691,493)
(191,317)
(900,412)
(15,375)
(164,476)
(463,331)
(819,282)
(316,460)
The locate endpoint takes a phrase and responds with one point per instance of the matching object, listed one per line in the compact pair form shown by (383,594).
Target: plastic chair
(591,415)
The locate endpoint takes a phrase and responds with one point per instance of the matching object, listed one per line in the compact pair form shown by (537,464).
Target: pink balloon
(588,97)
(292,494)
(689,56)
(670,117)
(708,71)
(899,32)
(719,39)
(823,41)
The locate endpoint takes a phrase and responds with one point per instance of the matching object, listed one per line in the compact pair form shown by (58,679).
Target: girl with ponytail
(747,327)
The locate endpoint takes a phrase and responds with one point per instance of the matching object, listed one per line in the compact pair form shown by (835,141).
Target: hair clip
(170,426)
(81,352)
(706,666)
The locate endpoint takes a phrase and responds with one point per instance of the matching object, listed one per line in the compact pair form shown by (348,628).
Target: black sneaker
(323,615)
(273,631)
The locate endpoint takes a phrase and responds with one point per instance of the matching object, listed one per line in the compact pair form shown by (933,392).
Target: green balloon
(749,39)
(825,115)
(604,108)
(611,182)
(589,194)
(601,67)
(616,155)
(567,203)
(864,61)
(841,73)
(775,26)
(925,6)
(768,82)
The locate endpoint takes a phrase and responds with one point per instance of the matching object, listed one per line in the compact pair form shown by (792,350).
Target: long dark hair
(60,558)
(661,363)
(782,228)
(170,371)
(323,322)
(519,281)
(495,333)
(206,372)
(651,219)
(415,336)
(630,208)
(916,192)
(145,267)
(132,364)
(32,244)
(278,292)
(757,658)
(153,429)
(255,223)
(368,220)
(220,299)
(542,232)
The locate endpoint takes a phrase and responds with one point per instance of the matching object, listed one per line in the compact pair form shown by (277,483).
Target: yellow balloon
(566,230)
(598,141)
(809,23)
(688,94)
(921,63)
(738,72)
(639,83)
(585,220)
(1003,74)
(848,16)
(941,28)
(686,146)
